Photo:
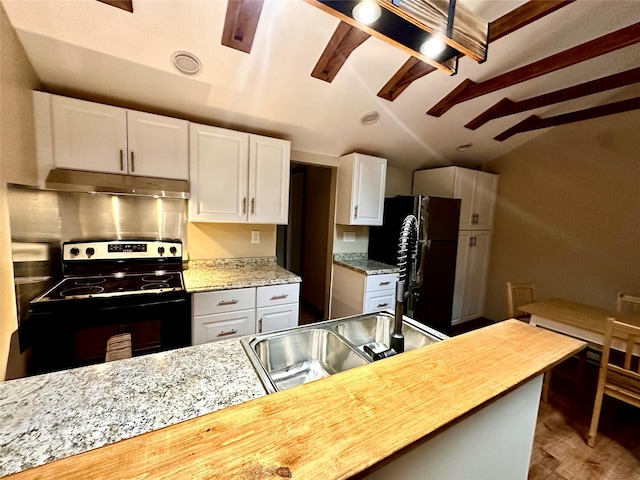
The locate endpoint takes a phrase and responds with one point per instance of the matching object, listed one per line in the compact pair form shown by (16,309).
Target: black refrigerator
(431,302)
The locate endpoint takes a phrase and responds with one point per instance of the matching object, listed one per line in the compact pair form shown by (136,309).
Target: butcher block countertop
(225,274)
(338,426)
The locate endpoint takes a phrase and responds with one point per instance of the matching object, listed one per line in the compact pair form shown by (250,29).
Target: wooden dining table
(577,320)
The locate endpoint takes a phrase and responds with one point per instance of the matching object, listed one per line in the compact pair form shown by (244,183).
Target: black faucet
(407,253)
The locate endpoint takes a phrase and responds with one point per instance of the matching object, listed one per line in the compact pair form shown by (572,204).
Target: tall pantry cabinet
(477,191)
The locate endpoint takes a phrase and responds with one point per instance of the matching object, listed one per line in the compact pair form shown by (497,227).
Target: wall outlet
(349,237)
(255,236)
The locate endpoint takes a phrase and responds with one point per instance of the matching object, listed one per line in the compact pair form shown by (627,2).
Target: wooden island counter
(349,424)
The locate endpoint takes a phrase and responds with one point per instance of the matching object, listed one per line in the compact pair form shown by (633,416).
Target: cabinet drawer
(222,326)
(222,301)
(278,294)
(381,282)
(381,300)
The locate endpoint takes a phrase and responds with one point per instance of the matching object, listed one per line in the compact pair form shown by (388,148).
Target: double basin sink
(291,357)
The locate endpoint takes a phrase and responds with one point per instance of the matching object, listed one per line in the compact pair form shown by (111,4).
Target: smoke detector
(186,63)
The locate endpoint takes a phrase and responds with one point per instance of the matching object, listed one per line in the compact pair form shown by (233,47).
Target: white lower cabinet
(277,307)
(354,293)
(224,314)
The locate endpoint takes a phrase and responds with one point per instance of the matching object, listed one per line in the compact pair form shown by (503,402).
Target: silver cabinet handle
(253,206)
(384,283)
(227,302)
(121,160)
(244,205)
(230,332)
(380,305)
(133,163)
(279,297)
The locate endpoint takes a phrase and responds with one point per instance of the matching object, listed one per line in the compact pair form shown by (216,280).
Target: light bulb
(366,12)
(432,47)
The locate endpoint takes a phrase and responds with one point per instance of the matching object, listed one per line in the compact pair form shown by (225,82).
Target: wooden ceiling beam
(535,123)
(343,41)
(519,17)
(241,23)
(507,107)
(605,44)
(123,4)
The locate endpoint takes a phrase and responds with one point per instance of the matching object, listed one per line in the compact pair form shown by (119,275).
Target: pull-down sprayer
(407,254)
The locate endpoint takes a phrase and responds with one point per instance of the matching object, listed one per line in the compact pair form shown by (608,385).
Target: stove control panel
(119,249)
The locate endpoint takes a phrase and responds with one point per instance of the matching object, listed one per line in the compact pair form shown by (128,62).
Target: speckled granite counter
(51,416)
(358,262)
(223,274)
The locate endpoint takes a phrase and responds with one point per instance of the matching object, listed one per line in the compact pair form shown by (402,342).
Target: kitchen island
(348,424)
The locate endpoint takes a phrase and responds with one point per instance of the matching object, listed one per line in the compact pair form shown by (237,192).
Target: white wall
(17,162)
(568,214)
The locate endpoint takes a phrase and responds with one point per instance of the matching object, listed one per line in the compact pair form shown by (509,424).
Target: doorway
(304,245)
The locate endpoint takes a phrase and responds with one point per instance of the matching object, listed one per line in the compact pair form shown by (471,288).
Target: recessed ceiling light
(464,147)
(432,47)
(370,118)
(366,12)
(186,62)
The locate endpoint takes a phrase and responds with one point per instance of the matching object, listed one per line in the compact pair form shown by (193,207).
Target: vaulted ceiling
(293,70)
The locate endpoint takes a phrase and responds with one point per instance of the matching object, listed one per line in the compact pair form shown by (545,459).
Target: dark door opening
(303,245)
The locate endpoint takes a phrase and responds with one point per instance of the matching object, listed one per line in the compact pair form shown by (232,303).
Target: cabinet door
(277,318)
(464,240)
(158,146)
(222,326)
(269,174)
(368,195)
(219,168)
(88,136)
(464,189)
(485,199)
(476,280)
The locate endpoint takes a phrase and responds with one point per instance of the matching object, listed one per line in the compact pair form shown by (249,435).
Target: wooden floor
(560,451)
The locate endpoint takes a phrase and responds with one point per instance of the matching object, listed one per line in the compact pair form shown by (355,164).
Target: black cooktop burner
(113,285)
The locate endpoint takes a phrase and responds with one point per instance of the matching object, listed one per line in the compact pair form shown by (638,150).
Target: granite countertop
(224,274)
(358,262)
(55,415)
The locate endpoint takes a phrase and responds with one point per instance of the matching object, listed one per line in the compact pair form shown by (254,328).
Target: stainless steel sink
(375,333)
(298,355)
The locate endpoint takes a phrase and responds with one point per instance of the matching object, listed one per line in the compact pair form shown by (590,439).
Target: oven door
(77,334)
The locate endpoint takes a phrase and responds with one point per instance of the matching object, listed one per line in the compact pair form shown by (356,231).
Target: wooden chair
(627,303)
(621,382)
(118,347)
(519,294)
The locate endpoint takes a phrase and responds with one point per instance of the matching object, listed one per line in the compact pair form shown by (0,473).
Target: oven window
(90,344)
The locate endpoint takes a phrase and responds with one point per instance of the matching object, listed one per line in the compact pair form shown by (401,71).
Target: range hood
(94,182)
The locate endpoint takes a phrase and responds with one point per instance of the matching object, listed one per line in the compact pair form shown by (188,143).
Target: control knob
(161,250)
(173,250)
(90,251)
(75,251)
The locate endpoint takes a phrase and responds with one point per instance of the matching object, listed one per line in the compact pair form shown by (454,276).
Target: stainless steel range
(108,288)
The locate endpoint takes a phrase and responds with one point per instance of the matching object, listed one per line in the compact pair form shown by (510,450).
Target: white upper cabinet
(88,136)
(102,138)
(360,191)
(476,189)
(237,177)
(269,173)
(158,146)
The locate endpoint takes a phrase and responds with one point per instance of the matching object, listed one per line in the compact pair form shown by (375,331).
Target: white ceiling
(90,49)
